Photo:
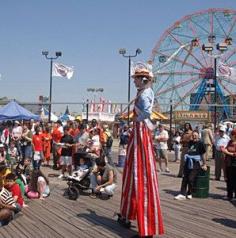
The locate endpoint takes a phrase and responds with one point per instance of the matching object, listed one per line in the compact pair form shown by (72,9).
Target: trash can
(201,185)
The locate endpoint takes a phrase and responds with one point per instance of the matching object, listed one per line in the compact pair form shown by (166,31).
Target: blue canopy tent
(67,117)
(13,111)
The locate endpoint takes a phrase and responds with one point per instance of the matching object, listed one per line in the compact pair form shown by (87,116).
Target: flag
(224,70)
(61,70)
(101,105)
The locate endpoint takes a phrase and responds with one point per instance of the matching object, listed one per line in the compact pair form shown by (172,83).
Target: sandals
(93,195)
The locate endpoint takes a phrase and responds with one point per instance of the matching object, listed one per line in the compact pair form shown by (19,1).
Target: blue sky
(89,33)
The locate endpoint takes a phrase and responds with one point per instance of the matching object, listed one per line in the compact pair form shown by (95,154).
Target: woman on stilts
(140,196)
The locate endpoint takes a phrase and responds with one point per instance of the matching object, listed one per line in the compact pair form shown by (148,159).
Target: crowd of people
(27,146)
(194,149)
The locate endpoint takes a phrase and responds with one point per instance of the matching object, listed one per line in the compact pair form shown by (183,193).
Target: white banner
(61,70)
(223,70)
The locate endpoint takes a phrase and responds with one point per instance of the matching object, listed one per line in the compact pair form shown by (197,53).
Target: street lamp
(123,52)
(209,47)
(58,54)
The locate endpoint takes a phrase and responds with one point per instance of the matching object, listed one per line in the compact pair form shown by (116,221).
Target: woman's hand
(98,188)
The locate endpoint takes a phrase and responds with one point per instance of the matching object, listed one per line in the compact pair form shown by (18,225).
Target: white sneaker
(180,197)
(61,176)
(189,196)
(167,170)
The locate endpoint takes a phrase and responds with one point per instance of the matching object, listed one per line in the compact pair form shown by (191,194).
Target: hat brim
(142,74)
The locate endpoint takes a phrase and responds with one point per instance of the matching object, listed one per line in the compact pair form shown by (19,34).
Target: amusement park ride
(186,63)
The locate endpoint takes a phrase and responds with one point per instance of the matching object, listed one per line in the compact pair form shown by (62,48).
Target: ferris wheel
(184,61)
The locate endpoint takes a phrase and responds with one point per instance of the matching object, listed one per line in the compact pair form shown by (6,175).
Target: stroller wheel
(73,193)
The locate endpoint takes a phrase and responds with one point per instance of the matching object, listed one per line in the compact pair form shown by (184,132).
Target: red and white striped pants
(140,196)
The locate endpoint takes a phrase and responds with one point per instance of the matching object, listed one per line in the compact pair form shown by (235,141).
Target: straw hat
(142,70)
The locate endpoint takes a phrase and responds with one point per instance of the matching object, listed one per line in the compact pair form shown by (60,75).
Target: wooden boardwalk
(59,217)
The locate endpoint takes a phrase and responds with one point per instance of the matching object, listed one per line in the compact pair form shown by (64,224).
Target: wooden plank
(6,232)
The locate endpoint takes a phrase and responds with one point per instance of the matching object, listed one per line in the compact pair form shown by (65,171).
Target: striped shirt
(6,197)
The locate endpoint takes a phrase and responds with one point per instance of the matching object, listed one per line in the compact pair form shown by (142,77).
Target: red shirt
(56,135)
(15,190)
(37,142)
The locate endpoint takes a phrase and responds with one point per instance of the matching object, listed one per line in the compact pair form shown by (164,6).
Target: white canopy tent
(44,115)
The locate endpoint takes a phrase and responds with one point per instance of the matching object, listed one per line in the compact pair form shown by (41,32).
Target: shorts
(28,152)
(66,160)
(161,153)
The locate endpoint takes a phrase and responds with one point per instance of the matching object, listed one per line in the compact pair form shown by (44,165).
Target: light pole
(58,54)
(123,52)
(87,109)
(222,47)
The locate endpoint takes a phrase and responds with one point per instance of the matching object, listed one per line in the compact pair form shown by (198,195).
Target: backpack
(109,141)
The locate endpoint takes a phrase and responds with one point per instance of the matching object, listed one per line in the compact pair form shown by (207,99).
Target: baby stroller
(80,179)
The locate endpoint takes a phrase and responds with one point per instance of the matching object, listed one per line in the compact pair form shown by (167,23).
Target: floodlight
(122,51)
(58,53)
(45,52)
(138,51)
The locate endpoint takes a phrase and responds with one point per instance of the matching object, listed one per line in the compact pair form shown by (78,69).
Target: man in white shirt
(221,142)
(161,137)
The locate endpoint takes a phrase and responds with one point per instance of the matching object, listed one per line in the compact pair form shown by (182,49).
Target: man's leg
(192,176)
(229,183)
(54,155)
(109,156)
(185,182)
(93,182)
(217,165)
(165,156)
(159,159)
(181,165)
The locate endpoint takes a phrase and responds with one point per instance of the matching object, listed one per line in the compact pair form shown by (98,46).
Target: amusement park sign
(192,115)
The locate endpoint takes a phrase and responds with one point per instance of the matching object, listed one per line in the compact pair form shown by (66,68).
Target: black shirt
(196,148)
(67,151)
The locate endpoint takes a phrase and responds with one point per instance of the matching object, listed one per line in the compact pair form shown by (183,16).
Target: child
(4,171)
(7,201)
(27,169)
(94,143)
(2,153)
(38,186)
(14,188)
(80,173)
(13,154)
(47,138)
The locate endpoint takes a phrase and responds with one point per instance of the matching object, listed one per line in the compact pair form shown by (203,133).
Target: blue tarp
(13,111)
(64,117)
